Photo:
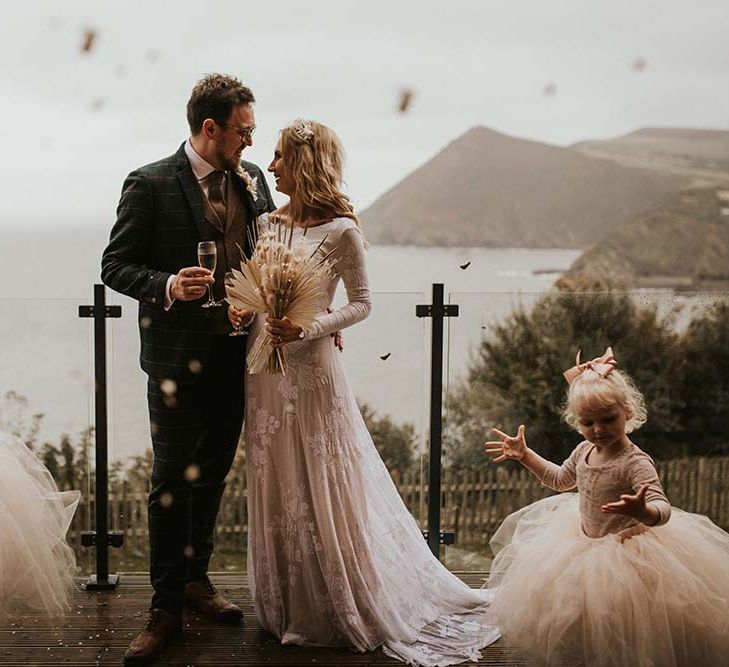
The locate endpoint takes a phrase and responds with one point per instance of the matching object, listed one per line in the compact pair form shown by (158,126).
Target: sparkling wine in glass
(207,258)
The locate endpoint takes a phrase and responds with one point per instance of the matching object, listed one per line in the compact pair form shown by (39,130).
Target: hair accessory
(303,129)
(603,366)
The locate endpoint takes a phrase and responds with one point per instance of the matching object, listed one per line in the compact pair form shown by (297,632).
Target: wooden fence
(473,504)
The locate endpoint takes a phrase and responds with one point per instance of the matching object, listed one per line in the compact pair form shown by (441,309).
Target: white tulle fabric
(659,599)
(36,564)
(334,557)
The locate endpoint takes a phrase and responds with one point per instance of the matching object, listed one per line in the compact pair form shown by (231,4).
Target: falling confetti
(166,500)
(152,55)
(195,366)
(145,322)
(189,552)
(465,266)
(192,472)
(385,357)
(406,98)
(169,389)
(639,64)
(97,104)
(88,41)
(550,89)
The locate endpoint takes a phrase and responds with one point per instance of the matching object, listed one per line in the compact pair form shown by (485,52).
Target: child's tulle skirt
(660,598)
(36,564)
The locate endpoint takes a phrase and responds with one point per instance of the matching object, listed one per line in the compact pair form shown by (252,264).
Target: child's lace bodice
(597,485)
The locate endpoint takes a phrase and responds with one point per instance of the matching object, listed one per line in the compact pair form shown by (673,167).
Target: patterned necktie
(215,194)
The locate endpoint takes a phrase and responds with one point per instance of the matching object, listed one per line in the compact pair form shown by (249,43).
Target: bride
(334,556)
(36,564)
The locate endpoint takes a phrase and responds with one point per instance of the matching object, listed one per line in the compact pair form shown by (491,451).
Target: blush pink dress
(567,589)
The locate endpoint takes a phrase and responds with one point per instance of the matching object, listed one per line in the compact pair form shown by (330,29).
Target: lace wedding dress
(334,556)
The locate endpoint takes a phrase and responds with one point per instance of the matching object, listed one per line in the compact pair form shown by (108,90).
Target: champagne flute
(239,330)
(207,258)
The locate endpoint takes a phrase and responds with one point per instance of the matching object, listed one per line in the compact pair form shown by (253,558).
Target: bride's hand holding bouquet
(284,279)
(283,331)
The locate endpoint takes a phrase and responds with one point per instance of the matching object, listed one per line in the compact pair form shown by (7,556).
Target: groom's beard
(227,161)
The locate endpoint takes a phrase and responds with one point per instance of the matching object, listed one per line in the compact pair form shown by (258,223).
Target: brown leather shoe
(160,628)
(203,597)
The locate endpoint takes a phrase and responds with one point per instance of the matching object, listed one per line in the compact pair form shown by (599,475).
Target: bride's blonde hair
(313,156)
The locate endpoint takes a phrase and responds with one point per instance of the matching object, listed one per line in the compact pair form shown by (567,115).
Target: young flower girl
(36,564)
(603,577)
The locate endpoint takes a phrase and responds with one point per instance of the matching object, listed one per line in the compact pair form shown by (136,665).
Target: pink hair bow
(603,366)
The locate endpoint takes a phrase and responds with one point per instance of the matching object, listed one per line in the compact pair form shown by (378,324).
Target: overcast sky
(75,123)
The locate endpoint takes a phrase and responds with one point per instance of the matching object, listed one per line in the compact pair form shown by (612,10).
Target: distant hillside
(489,189)
(683,243)
(700,154)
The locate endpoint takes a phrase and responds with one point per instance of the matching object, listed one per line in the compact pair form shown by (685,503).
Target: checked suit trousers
(195,431)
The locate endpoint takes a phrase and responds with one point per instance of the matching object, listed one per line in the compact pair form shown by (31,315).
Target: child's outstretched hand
(634,506)
(507,447)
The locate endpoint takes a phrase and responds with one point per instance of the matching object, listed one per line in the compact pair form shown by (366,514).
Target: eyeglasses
(244,133)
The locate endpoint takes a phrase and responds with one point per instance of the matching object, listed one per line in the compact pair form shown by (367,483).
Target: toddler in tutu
(611,575)
(36,564)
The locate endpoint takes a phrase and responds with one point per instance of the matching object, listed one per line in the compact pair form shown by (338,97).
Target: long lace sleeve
(564,477)
(349,260)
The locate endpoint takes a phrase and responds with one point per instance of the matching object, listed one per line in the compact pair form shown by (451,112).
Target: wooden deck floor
(102,624)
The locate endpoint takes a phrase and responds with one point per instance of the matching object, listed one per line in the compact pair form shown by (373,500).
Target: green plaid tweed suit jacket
(160,221)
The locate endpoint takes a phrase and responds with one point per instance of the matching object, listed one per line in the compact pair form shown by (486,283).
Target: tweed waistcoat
(229,240)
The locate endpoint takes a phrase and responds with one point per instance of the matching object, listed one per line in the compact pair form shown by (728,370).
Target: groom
(195,370)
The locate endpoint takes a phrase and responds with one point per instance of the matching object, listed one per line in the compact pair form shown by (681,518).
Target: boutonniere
(251,183)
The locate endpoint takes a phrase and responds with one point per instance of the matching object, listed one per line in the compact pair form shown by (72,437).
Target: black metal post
(101,537)
(437,311)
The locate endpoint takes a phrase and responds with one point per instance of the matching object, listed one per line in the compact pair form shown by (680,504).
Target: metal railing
(101,538)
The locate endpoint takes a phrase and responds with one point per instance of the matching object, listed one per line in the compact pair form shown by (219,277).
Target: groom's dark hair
(214,96)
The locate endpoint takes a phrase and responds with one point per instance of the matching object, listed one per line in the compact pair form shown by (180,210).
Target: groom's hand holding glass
(190,283)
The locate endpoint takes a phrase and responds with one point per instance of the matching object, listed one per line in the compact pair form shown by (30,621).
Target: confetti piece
(550,89)
(406,98)
(97,104)
(168,387)
(152,55)
(189,552)
(192,472)
(465,266)
(385,357)
(639,64)
(166,500)
(195,366)
(88,41)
